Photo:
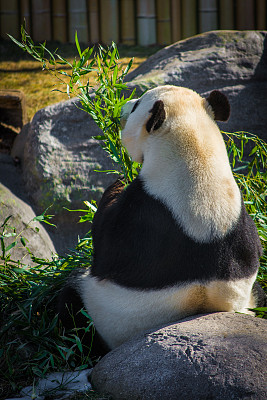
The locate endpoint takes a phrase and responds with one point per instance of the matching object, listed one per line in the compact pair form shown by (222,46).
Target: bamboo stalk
(25,14)
(245,14)
(189,18)
(261,15)
(146,22)
(9,18)
(59,20)
(94,35)
(127,22)
(109,21)
(207,15)
(41,22)
(176,27)
(78,20)
(163,22)
(226,14)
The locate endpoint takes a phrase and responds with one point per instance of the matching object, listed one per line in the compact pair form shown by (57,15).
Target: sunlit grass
(19,72)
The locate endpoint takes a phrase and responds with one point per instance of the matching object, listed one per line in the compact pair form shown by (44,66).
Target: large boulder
(217,356)
(60,160)
(232,61)
(14,202)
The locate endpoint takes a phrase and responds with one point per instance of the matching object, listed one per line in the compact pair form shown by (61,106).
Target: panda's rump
(120,313)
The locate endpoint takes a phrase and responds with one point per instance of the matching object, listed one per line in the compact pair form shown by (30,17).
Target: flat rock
(234,62)
(217,356)
(58,386)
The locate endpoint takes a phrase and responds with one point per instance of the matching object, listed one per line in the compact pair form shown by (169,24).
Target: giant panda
(177,241)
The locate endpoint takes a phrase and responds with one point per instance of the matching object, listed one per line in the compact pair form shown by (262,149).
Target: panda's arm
(111,194)
(109,197)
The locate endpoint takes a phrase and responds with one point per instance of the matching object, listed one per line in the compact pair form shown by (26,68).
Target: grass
(18,71)
(33,342)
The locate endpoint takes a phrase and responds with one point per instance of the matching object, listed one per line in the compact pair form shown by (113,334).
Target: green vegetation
(250,172)
(32,340)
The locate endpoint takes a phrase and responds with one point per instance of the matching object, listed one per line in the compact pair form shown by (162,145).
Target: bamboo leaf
(39,218)
(13,244)
(78,45)
(6,220)
(23,241)
(128,67)
(16,41)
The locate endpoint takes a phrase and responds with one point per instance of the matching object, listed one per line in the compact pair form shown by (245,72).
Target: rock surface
(60,157)
(234,62)
(22,213)
(217,356)
(59,162)
(58,386)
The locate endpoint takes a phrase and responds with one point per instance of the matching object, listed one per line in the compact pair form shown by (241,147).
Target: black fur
(138,244)
(136,104)
(158,116)
(220,105)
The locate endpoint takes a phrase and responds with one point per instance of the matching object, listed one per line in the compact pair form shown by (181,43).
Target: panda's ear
(158,116)
(220,105)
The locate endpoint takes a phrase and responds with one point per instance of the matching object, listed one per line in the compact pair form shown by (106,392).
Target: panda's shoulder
(126,210)
(110,197)
(246,234)
(125,198)
(112,192)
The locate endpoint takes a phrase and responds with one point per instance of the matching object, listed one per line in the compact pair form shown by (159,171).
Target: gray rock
(22,213)
(234,62)
(60,157)
(217,356)
(17,151)
(59,385)
(59,163)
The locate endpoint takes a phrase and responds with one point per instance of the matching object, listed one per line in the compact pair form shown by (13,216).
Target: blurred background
(128,22)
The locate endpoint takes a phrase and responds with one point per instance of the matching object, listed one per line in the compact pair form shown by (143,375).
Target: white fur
(185,162)
(120,313)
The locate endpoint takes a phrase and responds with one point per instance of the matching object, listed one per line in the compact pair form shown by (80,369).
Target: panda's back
(138,244)
(147,272)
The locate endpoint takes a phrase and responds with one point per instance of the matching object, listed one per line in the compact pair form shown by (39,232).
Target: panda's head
(178,111)
(172,131)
